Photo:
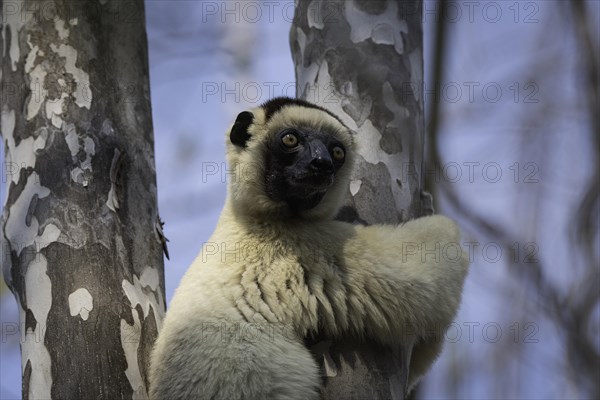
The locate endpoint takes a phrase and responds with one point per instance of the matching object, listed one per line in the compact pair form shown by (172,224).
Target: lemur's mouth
(314,180)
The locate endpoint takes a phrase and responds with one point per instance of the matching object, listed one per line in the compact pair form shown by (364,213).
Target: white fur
(266,279)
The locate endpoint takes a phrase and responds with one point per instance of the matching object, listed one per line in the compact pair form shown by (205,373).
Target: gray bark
(363,60)
(80,248)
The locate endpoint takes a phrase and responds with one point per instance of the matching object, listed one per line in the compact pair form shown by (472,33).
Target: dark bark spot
(347,214)
(147,338)
(373,191)
(30,321)
(373,7)
(14,191)
(26,378)
(391,141)
(31,209)
(424,203)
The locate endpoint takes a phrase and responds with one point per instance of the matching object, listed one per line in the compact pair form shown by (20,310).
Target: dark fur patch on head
(239,132)
(274,105)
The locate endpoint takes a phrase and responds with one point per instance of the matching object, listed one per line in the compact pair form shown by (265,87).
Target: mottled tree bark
(363,60)
(80,248)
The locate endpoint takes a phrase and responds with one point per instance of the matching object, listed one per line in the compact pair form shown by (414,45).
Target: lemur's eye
(289,140)
(338,153)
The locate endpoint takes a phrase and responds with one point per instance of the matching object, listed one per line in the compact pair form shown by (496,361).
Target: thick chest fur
(300,285)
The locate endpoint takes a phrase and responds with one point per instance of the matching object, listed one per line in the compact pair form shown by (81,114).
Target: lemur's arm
(406,283)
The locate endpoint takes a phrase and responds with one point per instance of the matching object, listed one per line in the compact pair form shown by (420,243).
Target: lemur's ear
(239,132)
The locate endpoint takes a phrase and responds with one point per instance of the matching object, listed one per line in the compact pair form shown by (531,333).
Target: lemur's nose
(320,158)
(322,164)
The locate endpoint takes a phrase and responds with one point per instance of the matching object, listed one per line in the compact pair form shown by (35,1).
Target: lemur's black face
(300,162)
(301,165)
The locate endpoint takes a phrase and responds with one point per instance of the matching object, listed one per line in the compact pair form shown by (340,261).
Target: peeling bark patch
(33,349)
(72,139)
(150,279)
(107,128)
(370,135)
(59,25)
(31,56)
(380,28)
(300,43)
(54,110)
(14,22)
(112,201)
(81,303)
(23,153)
(355,186)
(41,139)
(37,76)
(83,94)
(316,75)
(310,75)
(130,340)
(90,149)
(416,74)
(144,293)
(80,173)
(17,231)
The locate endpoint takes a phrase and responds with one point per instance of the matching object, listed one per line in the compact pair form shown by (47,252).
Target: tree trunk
(363,60)
(80,247)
